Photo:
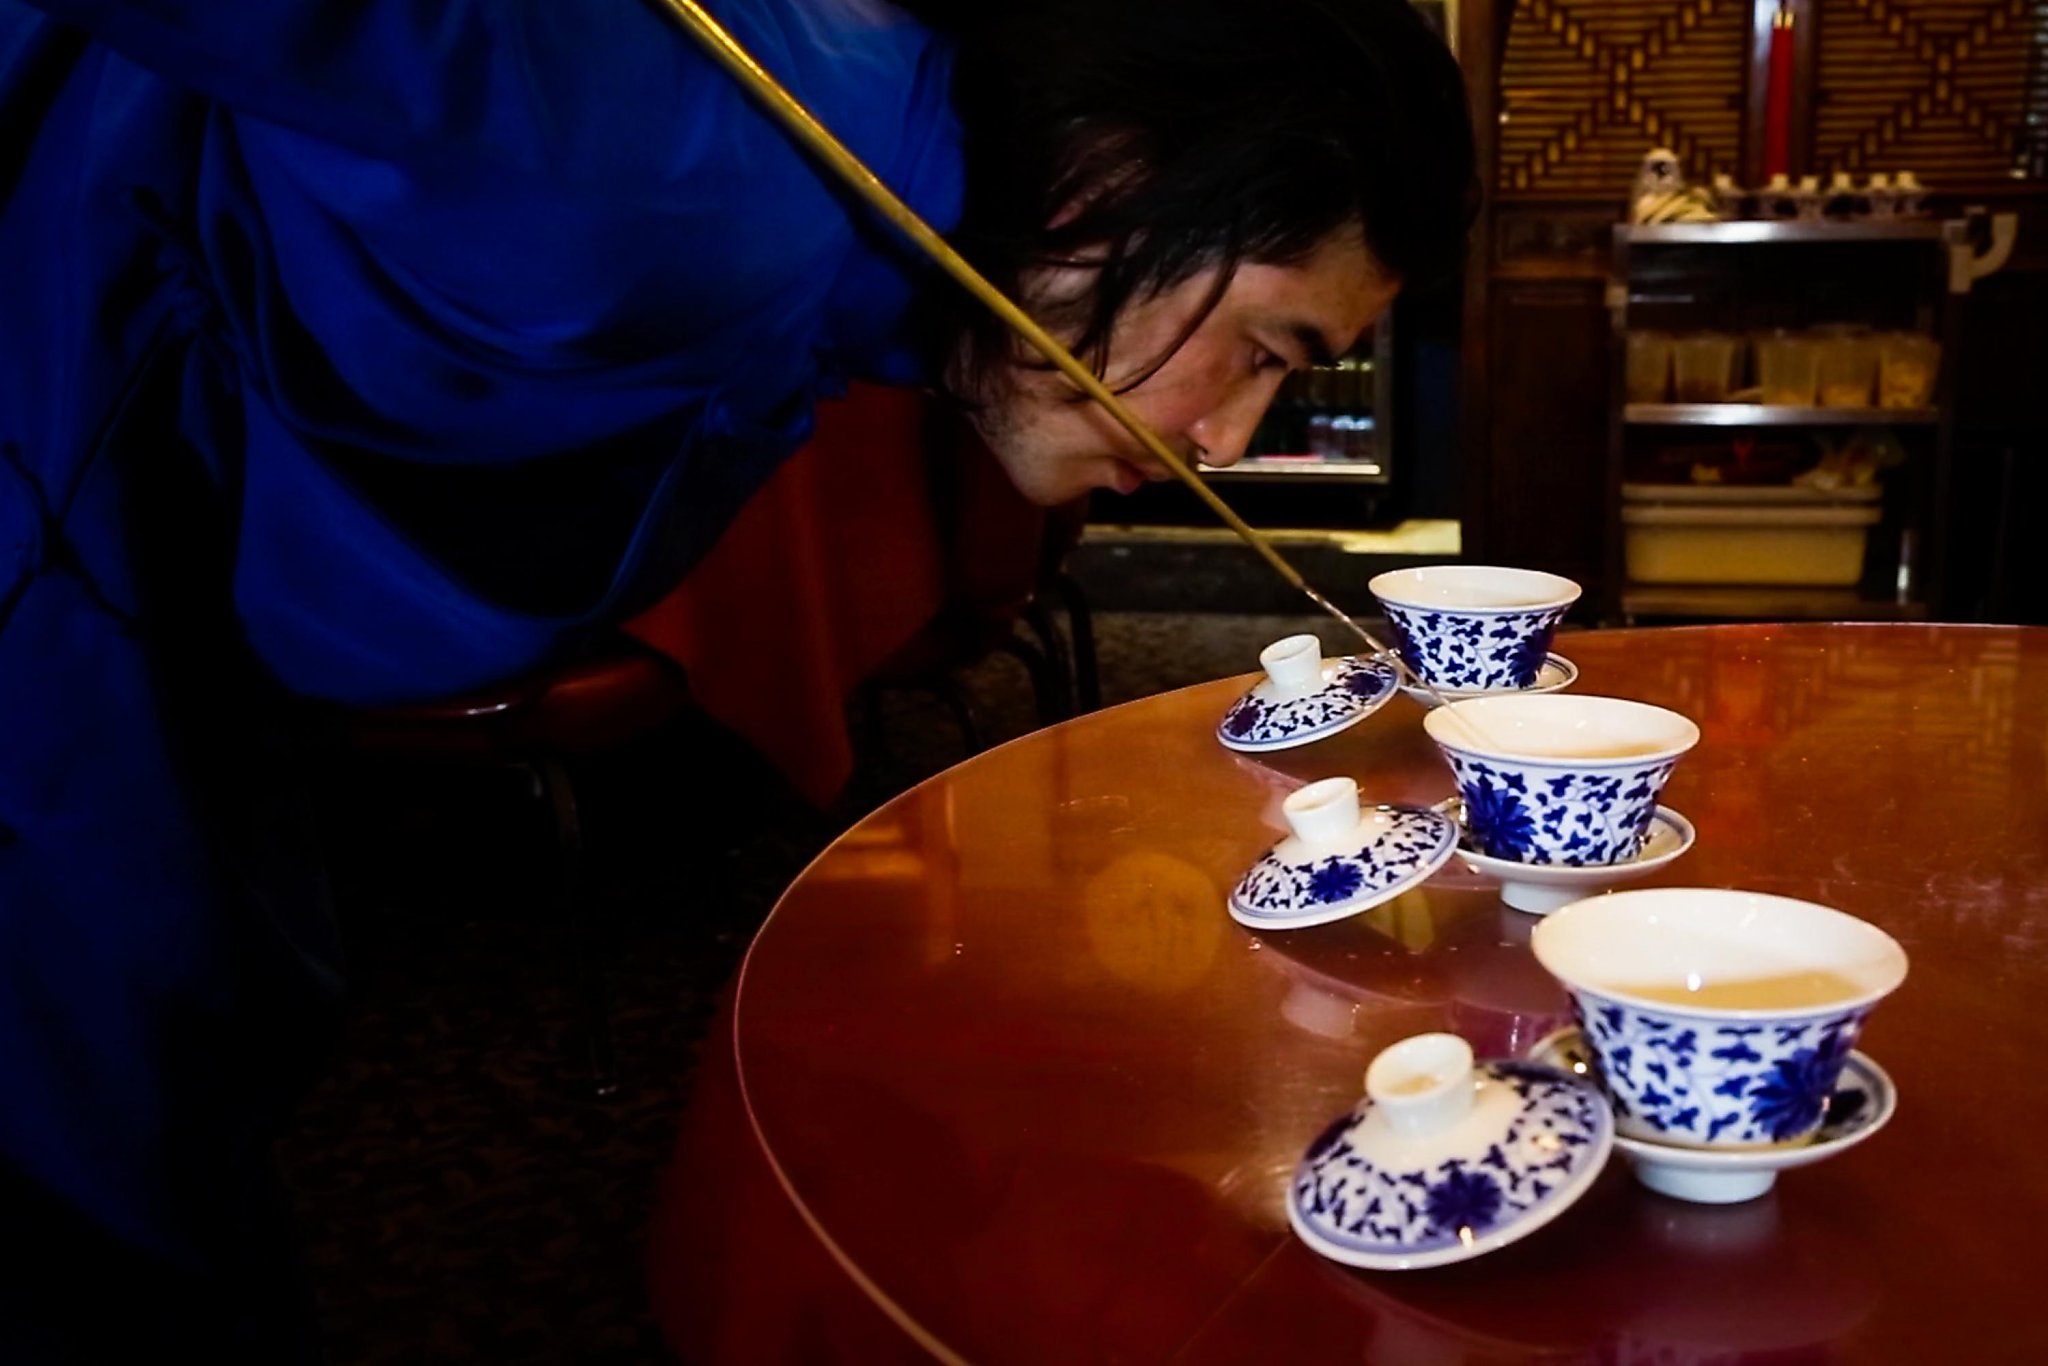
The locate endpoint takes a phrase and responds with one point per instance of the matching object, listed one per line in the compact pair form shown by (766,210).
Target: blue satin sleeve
(549,242)
(511,228)
(370,351)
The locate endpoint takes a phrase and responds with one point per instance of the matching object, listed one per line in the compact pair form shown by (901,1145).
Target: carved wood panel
(1937,87)
(1588,86)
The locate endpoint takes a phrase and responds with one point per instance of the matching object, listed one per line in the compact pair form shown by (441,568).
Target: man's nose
(1226,431)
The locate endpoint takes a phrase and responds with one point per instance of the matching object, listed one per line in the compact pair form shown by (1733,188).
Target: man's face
(1207,398)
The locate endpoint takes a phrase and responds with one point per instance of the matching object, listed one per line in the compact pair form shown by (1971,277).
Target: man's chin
(1125,477)
(1052,492)
(1052,481)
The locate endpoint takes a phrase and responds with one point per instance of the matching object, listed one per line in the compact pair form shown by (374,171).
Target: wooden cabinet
(1568,95)
(1548,375)
(1750,283)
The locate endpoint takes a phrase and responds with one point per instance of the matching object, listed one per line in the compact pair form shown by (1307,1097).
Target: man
(374,351)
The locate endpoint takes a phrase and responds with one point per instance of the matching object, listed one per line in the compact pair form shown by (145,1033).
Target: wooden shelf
(1305,471)
(1763,603)
(1747,232)
(1770,415)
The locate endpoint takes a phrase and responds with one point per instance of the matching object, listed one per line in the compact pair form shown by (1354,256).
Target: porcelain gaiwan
(1472,627)
(1559,778)
(1445,1160)
(1719,1018)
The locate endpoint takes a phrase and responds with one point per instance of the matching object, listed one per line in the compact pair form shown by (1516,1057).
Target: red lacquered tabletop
(1014,1068)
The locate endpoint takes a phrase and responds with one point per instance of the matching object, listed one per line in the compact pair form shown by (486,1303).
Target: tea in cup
(1473,627)
(1718,1019)
(1558,778)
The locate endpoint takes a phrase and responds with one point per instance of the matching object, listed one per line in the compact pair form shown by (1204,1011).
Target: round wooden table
(1006,1084)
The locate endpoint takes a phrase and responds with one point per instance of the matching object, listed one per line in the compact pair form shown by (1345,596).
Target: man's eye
(1262,359)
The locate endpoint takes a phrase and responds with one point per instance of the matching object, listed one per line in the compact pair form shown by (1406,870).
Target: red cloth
(860,540)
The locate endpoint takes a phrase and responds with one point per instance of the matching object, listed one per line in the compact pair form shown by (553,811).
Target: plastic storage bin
(1725,534)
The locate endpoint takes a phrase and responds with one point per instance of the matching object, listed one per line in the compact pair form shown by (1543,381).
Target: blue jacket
(371,349)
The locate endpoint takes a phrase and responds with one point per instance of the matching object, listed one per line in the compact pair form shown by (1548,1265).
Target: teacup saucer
(1299,883)
(1863,1102)
(1541,888)
(1556,674)
(1271,717)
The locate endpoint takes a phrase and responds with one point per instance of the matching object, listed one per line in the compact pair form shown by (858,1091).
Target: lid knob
(1295,664)
(1324,814)
(1422,1084)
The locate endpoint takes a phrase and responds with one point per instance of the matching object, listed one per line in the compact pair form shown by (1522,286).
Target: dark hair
(1154,139)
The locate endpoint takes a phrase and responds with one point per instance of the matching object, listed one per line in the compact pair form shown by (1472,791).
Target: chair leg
(1081,625)
(1046,686)
(955,697)
(869,733)
(868,728)
(593,992)
(1053,642)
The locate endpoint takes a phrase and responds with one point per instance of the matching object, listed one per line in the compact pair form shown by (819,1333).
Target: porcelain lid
(1304,697)
(1341,859)
(1445,1160)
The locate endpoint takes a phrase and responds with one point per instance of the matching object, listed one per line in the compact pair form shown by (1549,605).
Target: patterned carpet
(462,1195)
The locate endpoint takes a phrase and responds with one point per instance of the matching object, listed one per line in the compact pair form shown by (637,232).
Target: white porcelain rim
(1477,703)
(1563,921)
(1557,598)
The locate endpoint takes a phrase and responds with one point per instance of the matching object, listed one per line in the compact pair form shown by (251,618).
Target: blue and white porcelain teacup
(1718,1019)
(1474,627)
(1557,778)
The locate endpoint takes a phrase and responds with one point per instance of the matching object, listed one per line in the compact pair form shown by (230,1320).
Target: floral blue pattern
(1675,1078)
(1401,849)
(1853,1106)
(1793,1095)
(1474,651)
(1577,814)
(1497,822)
(1335,880)
(1557,1136)
(1528,658)
(1353,690)
(1464,1199)
(1244,718)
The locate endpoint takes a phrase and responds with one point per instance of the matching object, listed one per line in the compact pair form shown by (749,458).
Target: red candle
(1778,99)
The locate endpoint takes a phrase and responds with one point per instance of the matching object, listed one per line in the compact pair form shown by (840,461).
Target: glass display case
(1328,423)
